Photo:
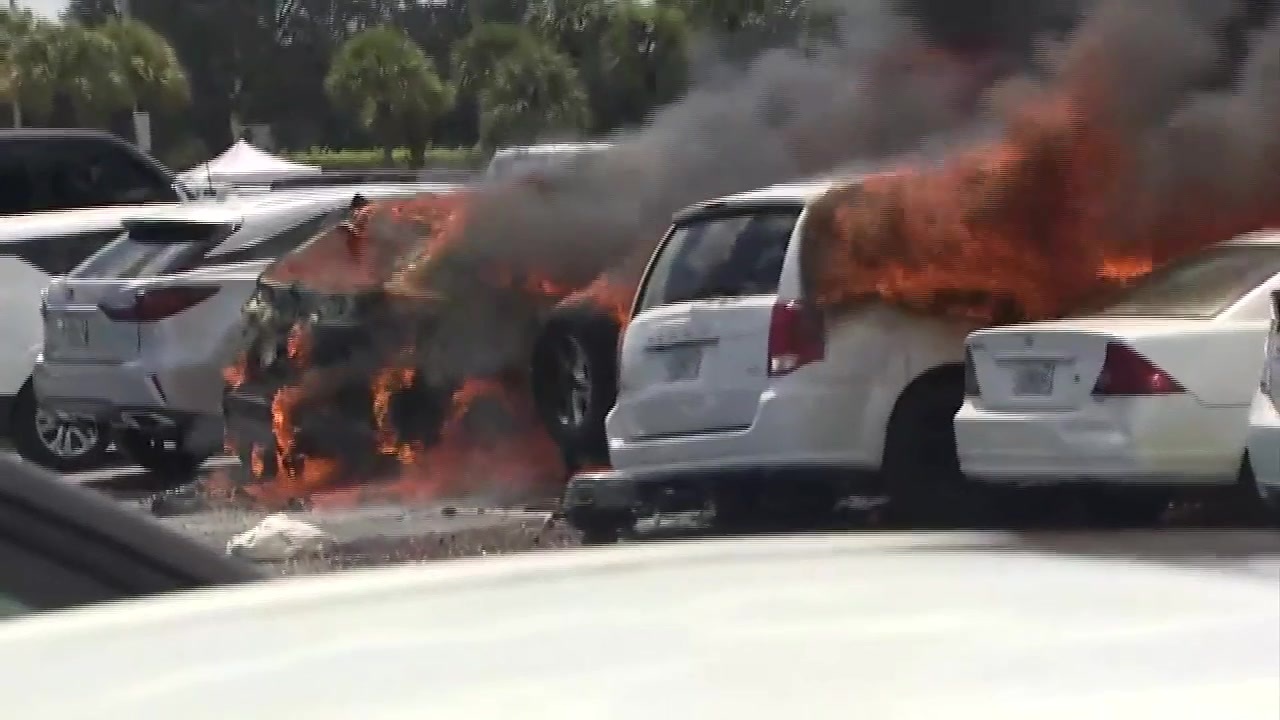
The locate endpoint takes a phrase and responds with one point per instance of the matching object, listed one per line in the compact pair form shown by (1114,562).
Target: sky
(48,8)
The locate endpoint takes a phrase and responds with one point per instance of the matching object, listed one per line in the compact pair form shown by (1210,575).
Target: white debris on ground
(280,537)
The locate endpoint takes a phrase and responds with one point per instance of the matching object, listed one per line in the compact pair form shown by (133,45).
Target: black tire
(573,405)
(1261,503)
(920,468)
(26,439)
(156,456)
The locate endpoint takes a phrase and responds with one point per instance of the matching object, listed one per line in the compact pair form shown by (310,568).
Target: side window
(274,246)
(721,256)
(105,177)
(17,186)
(60,254)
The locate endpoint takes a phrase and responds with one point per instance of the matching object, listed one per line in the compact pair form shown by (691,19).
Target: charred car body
(359,344)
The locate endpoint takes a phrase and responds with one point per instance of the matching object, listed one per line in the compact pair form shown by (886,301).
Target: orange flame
(1039,222)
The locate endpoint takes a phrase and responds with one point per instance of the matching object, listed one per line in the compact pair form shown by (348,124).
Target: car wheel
(60,443)
(575,382)
(157,456)
(1265,499)
(920,469)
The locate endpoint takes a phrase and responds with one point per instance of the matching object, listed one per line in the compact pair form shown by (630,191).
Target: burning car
(365,353)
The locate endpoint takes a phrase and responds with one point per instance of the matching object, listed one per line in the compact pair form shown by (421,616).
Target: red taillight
(796,338)
(970,374)
(1126,372)
(159,303)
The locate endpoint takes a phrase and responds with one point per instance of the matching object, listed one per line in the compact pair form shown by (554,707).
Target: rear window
(1202,285)
(725,255)
(151,249)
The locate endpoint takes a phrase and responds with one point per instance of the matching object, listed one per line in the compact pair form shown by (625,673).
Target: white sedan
(1150,394)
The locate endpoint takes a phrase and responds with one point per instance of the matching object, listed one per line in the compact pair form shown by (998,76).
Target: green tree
(476,57)
(155,78)
(531,92)
(72,67)
(746,28)
(642,63)
(385,80)
(17,27)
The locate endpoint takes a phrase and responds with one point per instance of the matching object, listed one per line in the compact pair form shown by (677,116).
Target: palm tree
(72,64)
(16,27)
(91,71)
(529,92)
(385,79)
(155,78)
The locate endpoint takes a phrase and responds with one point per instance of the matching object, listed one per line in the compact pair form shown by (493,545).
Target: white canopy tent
(244,163)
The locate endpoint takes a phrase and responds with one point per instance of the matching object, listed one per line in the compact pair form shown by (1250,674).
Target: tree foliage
(510,70)
(385,80)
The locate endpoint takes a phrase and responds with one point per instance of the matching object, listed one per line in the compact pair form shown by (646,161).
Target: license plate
(1033,378)
(72,332)
(683,363)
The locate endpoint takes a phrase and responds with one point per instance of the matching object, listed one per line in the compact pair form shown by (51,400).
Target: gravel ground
(382,534)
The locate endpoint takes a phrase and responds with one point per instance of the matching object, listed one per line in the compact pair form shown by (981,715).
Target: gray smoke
(786,116)
(1203,125)
(861,100)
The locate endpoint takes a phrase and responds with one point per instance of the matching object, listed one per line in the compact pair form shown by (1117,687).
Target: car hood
(862,626)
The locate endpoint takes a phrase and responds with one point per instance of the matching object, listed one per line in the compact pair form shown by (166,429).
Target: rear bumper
(639,493)
(190,389)
(1264,445)
(127,396)
(802,427)
(1170,440)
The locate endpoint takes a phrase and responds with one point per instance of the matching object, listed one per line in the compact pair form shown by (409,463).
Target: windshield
(1201,286)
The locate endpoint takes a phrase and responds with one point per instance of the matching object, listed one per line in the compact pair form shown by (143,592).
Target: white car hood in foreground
(858,627)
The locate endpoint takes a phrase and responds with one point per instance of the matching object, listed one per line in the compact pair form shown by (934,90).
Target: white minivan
(734,390)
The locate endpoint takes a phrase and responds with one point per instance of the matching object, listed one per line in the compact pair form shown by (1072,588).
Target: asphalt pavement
(381,534)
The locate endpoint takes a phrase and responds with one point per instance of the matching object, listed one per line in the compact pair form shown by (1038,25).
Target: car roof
(238,207)
(800,192)
(52,223)
(552,148)
(232,208)
(845,617)
(1257,237)
(47,133)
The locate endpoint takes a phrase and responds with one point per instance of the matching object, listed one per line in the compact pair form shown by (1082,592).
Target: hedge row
(333,159)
